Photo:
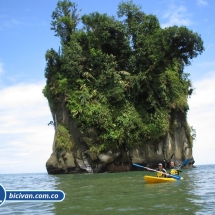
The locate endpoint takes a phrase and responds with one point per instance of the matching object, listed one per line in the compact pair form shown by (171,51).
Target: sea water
(116,193)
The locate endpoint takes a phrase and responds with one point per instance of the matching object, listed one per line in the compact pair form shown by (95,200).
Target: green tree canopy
(122,75)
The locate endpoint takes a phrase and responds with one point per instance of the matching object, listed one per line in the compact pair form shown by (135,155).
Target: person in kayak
(174,170)
(162,172)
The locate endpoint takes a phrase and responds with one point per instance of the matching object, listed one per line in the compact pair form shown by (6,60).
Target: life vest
(160,173)
(174,172)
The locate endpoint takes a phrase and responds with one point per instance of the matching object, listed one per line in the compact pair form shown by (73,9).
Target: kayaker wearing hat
(161,170)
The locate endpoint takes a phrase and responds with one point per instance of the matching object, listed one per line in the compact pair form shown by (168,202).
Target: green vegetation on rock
(122,75)
(62,140)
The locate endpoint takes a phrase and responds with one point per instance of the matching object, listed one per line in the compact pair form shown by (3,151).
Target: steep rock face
(79,159)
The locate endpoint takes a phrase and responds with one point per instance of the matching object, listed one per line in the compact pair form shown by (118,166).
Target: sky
(25,36)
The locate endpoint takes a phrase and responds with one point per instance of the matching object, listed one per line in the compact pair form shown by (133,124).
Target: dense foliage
(122,75)
(62,138)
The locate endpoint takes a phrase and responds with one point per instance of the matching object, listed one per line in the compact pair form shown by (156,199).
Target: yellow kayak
(152,180)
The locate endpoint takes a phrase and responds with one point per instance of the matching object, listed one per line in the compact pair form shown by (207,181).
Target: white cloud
(202,2)
(177,15)
(202,117)
(1,74)
(1,68)
(25,139)
(22,95)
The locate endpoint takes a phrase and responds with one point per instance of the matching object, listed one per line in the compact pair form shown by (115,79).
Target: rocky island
(117,90)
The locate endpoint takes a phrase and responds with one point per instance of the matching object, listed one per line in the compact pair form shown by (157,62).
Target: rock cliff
(79,159)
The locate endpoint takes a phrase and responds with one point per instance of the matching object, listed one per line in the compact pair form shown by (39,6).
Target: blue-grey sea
(116,193)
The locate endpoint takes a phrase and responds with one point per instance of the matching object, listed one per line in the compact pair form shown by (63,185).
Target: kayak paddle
(177,177)
(185,162)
